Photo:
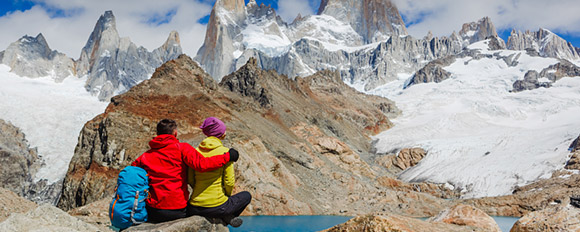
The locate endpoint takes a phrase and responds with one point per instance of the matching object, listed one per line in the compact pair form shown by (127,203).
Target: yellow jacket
(211,189)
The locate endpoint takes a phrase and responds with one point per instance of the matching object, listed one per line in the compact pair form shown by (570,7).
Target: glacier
(480,137)
(50,114)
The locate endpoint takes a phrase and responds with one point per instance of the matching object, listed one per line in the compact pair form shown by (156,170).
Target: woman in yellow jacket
(212,191)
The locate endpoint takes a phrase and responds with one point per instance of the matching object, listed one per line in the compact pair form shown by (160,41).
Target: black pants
(231,208)
(162,215)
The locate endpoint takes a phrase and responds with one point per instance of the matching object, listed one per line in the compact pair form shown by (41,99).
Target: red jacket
(166,163)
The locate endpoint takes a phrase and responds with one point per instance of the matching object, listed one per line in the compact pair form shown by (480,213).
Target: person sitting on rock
(212,191)
(166,164)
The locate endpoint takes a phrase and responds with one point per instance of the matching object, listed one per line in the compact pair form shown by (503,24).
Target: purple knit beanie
(213,127)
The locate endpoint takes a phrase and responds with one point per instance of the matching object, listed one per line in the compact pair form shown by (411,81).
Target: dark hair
(166,126)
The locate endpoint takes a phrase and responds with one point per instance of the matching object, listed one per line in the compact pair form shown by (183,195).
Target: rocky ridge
(19,165)
(325,41)
(552,73)
(299,140)
(544,42)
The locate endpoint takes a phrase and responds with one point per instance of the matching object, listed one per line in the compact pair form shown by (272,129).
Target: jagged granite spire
(171,47)
(32,57)
(113,64)
(477,31)
(374,20)
(216,53)
(544,42)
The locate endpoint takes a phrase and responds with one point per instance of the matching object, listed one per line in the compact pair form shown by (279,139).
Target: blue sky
(67,24)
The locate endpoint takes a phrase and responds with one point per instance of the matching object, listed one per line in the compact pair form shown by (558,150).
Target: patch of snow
(237,54)
(543,80)
(480,137)
(50,114)
(256,37)
(106,53)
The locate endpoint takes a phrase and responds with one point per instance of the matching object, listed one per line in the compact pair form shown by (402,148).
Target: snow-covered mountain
(482,137)
(114,64)
(111,64)
(545,42)
(368,47)
(32,57)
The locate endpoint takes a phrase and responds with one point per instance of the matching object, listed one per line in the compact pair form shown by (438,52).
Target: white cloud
(69,34)
(288,10)
(442,17)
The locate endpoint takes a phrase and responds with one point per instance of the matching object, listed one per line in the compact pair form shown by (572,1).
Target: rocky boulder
(312,139)
(409,157)
(529,82)
(465,215)
(46,218)
(392,223)
(560,218)
(194,223)
(555,191)
(11,203)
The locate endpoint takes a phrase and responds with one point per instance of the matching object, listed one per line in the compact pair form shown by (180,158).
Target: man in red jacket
(166,164)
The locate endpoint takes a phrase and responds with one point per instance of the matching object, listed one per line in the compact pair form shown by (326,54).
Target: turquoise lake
(317,223)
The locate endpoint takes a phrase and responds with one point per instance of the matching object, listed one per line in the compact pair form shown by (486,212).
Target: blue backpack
(128,205)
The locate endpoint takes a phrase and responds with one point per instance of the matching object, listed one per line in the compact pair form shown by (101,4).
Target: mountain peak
(107,21)
(173,39)
(235,6)
(477,31)
(374,20)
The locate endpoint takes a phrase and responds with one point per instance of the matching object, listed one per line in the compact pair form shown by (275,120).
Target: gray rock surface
(374,20)
(19,165)
(194,223)
(545,42)
(32,57)
(45,218)
(478,31)
(529,82)
(114,64)
(432,72)
(19,162)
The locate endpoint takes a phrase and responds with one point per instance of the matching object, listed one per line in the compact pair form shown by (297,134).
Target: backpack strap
(135,204)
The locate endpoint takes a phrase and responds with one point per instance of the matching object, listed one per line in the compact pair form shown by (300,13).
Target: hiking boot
(236,222)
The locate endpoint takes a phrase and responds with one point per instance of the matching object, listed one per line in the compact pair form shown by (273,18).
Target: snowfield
(50,114)
(481,137)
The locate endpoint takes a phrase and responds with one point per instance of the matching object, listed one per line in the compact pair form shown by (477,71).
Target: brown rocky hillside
(303,142)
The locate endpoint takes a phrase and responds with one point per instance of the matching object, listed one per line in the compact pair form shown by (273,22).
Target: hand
(234,155)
